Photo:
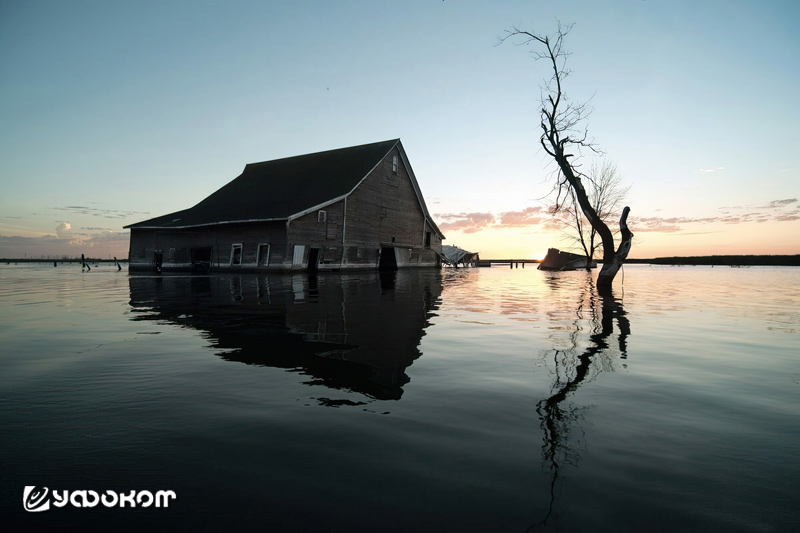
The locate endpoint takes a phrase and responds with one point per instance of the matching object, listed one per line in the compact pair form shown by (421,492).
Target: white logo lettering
(37,499)
(112,496)
(142,495)
(60,501)
(162,497)
(130,498)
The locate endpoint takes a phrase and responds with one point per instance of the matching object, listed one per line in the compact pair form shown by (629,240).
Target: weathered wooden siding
(176,246)
(141,240)
(384,211)
(250,236)
(323,232)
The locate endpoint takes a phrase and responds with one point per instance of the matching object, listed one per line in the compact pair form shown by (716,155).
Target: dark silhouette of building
(356,331)
(357,207)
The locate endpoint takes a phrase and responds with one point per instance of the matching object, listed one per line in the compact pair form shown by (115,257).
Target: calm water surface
(471,400)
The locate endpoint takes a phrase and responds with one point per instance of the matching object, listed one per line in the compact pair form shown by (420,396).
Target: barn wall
(176,246)
(322,230)
(141,240)
(384,211)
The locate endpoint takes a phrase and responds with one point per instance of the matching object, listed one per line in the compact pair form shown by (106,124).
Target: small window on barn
(263,255)
(427,239)
(322,216)
(236,254)
(394,164)
(328,256)
(171,255)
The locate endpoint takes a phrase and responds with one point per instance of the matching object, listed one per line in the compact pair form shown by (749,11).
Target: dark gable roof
(281,188)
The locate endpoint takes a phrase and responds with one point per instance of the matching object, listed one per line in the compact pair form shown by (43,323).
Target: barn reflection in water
(356,332)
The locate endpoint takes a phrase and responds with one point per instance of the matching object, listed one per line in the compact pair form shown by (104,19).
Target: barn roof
(283,188)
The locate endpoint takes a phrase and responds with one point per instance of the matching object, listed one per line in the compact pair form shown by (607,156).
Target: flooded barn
(357,207)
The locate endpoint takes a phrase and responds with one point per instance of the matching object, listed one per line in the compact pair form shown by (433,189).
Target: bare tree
(606,193)
(563,135)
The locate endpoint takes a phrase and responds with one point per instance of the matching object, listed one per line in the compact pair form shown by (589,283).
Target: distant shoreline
(723,260)
(53,260)
(706,260)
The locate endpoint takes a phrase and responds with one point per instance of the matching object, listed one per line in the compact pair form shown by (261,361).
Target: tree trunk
(612,264)
(612,260)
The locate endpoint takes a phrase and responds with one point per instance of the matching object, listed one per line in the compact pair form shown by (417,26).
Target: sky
(113,112)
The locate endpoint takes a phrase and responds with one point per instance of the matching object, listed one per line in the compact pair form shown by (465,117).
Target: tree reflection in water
(559,419)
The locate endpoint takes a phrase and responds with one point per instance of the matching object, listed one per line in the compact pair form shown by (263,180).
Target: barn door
(297,257)
(201,259)
(388,260)
(313,259)
(158,260)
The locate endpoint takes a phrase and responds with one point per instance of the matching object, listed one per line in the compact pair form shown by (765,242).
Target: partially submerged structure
(361,333)
(558,260)
(456,257)
(357,207)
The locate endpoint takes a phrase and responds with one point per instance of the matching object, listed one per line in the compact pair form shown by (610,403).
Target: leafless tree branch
(564,134)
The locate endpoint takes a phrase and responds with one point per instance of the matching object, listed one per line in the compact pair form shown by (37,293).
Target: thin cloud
(104,213)
(783,210)
(518,219)
(466,222)
(780,203)
(111,242)
(657,227)
(474,222)
(108,237)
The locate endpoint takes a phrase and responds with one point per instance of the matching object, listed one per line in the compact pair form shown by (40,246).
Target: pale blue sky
(112,112)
